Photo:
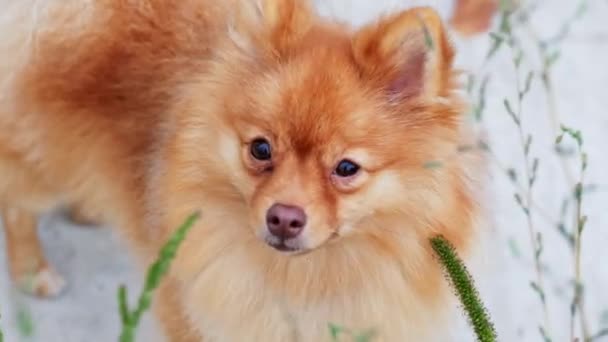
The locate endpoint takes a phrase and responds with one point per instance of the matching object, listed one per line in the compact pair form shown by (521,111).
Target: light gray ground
(94,263)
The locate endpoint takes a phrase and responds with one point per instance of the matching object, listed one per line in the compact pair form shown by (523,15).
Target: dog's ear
(285,14)
(287,20)
(275,24)
(407,55)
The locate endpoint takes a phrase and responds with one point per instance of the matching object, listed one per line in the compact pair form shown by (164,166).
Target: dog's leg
(27,263)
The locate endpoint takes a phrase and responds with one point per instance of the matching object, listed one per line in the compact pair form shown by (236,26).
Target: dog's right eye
(260,149)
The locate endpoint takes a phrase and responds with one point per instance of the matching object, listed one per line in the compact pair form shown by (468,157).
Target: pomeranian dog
(321,157)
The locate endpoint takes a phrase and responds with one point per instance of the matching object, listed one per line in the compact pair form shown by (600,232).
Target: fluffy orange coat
(143,111)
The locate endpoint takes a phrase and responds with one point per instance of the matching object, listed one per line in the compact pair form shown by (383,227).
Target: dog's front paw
(45,283)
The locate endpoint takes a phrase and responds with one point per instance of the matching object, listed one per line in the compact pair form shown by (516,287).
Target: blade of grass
(123,305)
(25,323)
(155,273)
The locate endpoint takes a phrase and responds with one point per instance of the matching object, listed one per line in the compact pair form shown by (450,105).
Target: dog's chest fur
(233,301)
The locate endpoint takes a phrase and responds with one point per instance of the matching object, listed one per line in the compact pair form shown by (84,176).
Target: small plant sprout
(1,334)
(337,331)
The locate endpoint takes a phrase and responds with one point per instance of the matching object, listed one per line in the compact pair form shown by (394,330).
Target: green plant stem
(578,291)
(579,225)
(541,47)
(463,284)
(550,97)
(548,53)
(530,173)
(539,209)
(131,319)
(531,229)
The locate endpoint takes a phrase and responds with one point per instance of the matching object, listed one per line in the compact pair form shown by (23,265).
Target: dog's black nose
(284,221)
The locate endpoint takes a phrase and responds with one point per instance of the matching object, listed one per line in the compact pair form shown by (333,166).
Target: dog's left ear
(406,55)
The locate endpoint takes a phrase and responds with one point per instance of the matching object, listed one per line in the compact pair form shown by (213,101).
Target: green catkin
(463,284)
(130,320)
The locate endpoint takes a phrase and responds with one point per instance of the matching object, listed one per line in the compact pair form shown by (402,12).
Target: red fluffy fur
(142,111)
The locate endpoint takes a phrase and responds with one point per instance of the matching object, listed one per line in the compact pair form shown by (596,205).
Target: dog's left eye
(346,168)
(260,149)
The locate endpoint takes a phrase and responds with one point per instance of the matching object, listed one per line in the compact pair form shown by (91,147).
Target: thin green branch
(548,51)
(579,224)
(506,35)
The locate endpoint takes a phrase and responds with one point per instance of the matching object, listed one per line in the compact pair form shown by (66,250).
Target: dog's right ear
(406,55)
(275,24)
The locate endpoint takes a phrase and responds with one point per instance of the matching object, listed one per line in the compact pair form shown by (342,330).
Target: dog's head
(320,129)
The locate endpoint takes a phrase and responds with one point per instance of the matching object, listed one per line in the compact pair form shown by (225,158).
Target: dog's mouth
(282,246)
(294,246)
(291,246)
